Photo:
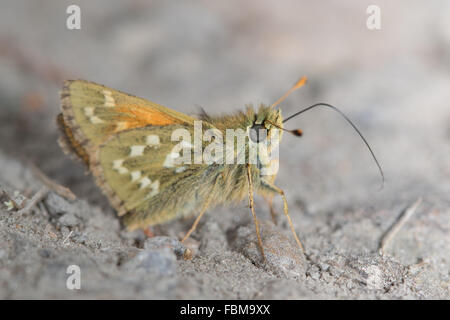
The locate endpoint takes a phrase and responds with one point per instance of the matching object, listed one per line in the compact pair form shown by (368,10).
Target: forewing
(94,112)
(126,142)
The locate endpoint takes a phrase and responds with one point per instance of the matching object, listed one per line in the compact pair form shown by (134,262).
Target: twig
(38,196)
(43,209)
(52,185)
(395,228)
(67,238)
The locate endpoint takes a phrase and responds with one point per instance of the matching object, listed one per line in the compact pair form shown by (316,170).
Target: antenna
(351,123)
(300,83)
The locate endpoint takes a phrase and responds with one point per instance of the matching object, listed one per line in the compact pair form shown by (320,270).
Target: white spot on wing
(144,182)
(118,165)
(152,140)
(155,189)
(137,151)
(180,169)
(169,163)
(109,100)
(135,175)
(96,120)
(89,112)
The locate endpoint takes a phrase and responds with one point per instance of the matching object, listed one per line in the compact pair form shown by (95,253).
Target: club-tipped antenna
(295,132)
(351,123)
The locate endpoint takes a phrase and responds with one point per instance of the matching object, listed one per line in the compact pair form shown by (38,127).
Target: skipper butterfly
(133,148)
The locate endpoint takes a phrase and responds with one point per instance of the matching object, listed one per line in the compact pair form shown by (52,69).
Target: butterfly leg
(197,220)
(270,187)
(250,197)
(273,213)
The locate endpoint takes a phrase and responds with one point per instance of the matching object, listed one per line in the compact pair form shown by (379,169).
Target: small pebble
(160,261)
(180,250)
(283,256)
(69,220)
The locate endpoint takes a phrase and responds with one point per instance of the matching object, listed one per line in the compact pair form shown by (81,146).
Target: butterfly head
(265,123)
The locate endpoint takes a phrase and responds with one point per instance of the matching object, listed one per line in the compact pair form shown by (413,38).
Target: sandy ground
(393,83)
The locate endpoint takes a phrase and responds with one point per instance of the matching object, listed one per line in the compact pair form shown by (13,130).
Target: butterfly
(130,146)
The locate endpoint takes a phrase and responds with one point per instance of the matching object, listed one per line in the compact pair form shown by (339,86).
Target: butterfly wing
(139,173)
(94,112)
(126,142)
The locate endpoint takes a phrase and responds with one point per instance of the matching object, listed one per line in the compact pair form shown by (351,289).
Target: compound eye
(258,133)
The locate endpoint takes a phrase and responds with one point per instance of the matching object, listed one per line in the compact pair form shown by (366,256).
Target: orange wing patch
(94,112)
(133,116)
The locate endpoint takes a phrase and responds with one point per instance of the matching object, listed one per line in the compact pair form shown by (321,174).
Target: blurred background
(221,55)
